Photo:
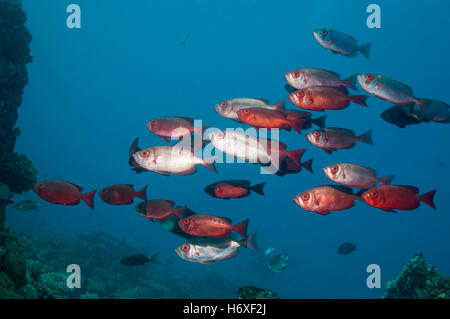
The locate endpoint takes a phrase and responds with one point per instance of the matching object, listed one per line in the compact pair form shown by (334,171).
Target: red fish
(63,193)
(325,98)
(390,197)
(158,209)
(265,118)
(326,198)
(333,138)
(290,160)
(121,194)
(298,115)
(233,189)
(211,226)
(174,127)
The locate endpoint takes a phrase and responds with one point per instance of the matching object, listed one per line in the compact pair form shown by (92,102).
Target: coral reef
(250,292)
(419,280)
(12,265)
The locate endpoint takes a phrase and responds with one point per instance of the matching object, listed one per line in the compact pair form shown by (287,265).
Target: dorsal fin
(341,188)
(78,187)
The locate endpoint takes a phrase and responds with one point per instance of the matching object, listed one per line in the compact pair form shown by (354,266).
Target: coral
(55,285)
(17,172)
(418,280)
(250,292)
(12,265)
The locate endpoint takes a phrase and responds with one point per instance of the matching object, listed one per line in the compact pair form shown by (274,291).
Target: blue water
(92,90)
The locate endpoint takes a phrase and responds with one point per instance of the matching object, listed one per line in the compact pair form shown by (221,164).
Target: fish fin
(155,259)
(422,103)
(359,99)
(139,170)
(289,88)
(361,191)
(390,210)
(241,228)
(142,193)
(296,124)
(342,188)
(329,150)
(206,262)
(323,212)
(350,82)
(411,188)
(161,172)
(200,130)
(259,188)
(211,165)
(164,138)
(366,137)
(77,187)
(278,106)
(365,50)
(320,121)
(251,242)
(134,147)
(428,198)
(296,155)
(179,211)
(88,198)
(308,165)
(387,180)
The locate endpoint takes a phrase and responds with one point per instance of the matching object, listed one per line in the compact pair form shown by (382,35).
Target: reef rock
(250,292)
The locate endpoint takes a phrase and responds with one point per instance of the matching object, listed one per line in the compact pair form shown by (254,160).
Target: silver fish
(229,108)
(174,159)
(331,139)
(355,175)
(278,263)
(339,42)
(309,77)
(28,205)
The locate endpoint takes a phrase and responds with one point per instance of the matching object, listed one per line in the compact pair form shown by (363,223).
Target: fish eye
(145,154)
(316,133)
(224,104)
(370,77)
(305,197)
(246,111)
(185,248)
(334,168)
(186,221)
(374,193)
(295,74)
(324,32)
(153,122)
(40,185)
(300,93)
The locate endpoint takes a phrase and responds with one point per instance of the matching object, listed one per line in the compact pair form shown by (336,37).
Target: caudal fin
(142,193)
(296,155)
(320,121)
(179,211)
(359,99)
(350,82)
(241,228)
(211,165)
(308,165)
(366,137)
(365,50)
(278,106)
(297,124)
(259,188)
(428,198)
(88,198)
(387,180)
(251,242)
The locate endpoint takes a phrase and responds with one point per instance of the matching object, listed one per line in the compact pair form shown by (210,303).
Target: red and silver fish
(331,139)
(229,108)
(355,175)
(175,127)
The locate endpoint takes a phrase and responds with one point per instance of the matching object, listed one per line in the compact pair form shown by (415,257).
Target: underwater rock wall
(419,280)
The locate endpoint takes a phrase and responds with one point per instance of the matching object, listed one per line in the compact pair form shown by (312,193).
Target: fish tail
(428,198)
(297,124)
(387,180)
(320,121)
(350,82)
(211,165)
(308,165)
(251,242)
(359,99)
(422,103)
(366,137)
(365,50)
(296,155)
(278,106)
(199,130)
(88,198)
(241,228)
(179,211)
(259,188)
(142,193)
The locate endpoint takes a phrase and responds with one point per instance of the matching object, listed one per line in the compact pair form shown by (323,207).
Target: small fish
(173,159)
(121,194)
(309,77)
(213,250)
(264,118)
(355,175)
(278,262)
(326,198)
(158,209)
(139,260)
(346,248)
(233,189)
(185,40)
(340,43)
(331,139)
(63,193)
(230,107)
(325,98)
(174,127)
(28,205)
(400,115)
(211,226)
(388,89)
(297,115)
(402,197)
